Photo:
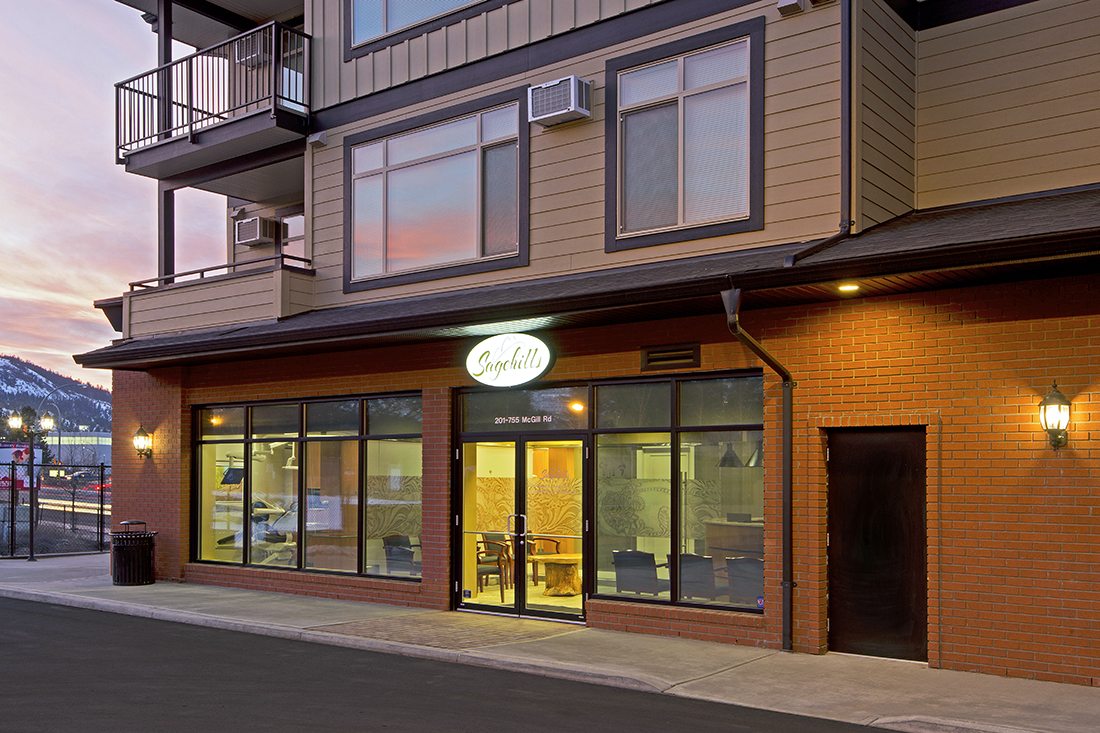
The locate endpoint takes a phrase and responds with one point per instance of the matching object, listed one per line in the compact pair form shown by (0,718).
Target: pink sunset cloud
(74,227)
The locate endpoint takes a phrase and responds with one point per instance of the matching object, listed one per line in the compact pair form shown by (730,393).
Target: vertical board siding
(1008,103)
(502,29)
(884,141)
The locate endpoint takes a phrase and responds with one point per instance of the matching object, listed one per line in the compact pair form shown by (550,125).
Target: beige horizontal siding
(1008,103)
(884,136)
(567,163)
(202,305)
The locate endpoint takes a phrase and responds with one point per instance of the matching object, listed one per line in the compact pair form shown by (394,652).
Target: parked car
(86,479)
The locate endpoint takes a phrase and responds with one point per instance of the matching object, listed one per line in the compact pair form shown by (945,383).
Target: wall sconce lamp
(1054,416)
(143,442)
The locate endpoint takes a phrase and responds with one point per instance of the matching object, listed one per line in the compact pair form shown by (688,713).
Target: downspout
(731,299)
(845,142)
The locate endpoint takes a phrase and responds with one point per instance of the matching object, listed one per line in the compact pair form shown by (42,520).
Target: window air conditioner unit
(559,101)
(250,51)
(255,230)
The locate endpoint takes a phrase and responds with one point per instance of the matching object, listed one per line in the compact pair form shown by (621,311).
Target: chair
(697,579)
(746,580)
(540,546)
(399,554)
(636,572)
(494,558)
(502,540)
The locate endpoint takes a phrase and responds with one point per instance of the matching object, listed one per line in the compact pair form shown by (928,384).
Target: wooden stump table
(562,578)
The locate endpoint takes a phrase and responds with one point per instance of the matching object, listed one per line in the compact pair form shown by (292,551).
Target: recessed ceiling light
(848,288)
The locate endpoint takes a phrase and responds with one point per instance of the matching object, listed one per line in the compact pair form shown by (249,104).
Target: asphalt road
(69,669)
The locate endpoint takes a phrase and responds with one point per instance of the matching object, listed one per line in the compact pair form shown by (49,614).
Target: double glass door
(520,526)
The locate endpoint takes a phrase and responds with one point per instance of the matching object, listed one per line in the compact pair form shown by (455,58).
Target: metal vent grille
(550,99)
(559,101)
(248,230)
(672,356)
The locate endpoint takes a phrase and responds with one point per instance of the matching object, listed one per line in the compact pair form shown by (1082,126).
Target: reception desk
(733,539)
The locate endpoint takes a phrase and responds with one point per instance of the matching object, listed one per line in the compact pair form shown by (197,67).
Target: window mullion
(479,204)
(680,137)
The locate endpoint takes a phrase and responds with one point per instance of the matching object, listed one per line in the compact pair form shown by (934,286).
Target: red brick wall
(154,489)
(1013,526)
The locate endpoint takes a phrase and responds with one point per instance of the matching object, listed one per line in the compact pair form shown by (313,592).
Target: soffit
(199,29)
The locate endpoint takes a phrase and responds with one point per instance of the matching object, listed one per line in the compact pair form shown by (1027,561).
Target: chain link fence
(64,510)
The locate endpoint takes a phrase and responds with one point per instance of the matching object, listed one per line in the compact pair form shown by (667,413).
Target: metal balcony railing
(246,267)
(264,68)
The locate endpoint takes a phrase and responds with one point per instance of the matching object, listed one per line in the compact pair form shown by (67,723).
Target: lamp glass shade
(1054,410)
(1054,417)
(46,422)
(15,421)
(143,442)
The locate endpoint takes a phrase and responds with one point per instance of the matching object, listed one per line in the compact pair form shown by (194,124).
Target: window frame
(675,426)
(354,49)
(363,436)
(516,96)
(753,30)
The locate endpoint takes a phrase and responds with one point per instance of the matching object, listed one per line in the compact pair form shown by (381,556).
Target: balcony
(267,288)
(209,120)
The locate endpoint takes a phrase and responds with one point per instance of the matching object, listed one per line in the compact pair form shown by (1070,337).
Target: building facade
(726,320)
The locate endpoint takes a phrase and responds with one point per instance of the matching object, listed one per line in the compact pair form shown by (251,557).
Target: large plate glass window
(330,485)
(684,140)
(679,491)
(221,485)
(437,196)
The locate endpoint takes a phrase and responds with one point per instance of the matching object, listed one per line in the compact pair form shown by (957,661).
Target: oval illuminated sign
(509,360)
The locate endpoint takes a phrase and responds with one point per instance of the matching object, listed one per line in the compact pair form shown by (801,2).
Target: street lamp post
(15,422)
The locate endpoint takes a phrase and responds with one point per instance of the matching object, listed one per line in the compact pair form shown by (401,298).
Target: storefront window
(737,401)
(556,408)
(634,514)
(302,486)
(643,405)
(680,514)
(331,505)
(722,517)
(393,515)
(221,502)
(326,419)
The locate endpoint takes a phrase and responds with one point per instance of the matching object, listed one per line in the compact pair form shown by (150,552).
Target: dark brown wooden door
(878,589)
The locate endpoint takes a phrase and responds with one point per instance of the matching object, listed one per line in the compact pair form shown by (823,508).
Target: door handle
(517,534)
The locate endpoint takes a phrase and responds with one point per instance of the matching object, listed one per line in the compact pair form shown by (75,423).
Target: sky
(74,226)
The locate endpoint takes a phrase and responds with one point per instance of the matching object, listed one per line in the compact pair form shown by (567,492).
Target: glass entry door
(521,541)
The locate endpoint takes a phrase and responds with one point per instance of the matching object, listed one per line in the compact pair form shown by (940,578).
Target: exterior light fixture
(577,407)
(143,442)
(848,287)
(1054,416)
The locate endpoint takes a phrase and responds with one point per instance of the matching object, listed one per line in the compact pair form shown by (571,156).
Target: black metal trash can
(132,555)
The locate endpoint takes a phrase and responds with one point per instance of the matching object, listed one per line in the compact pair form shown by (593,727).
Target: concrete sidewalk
(894,695)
